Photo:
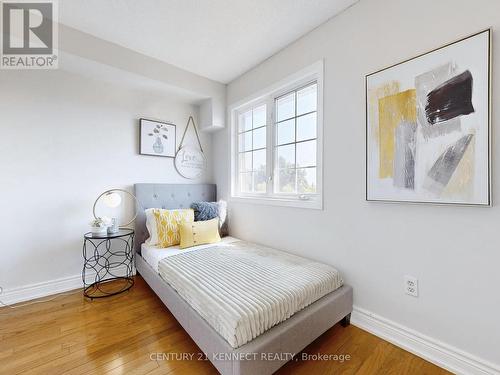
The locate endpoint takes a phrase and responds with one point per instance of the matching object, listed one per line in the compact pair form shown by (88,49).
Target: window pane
(260,181)
(307,99)
(306,154)
(286,132)
(286,181)
(245,161)
(285,107)
(259,116)
(306,180)
(259,160)
(245,121)
(246,182)
(286,156)
(259,138)
(245,141)
(306,127)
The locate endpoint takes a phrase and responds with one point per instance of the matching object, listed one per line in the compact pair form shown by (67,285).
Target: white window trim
(311,73)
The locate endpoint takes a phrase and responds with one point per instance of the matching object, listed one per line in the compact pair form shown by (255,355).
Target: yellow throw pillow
(167,225)
(199,232)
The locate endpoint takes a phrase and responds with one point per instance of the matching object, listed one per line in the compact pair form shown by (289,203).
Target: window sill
(315,204)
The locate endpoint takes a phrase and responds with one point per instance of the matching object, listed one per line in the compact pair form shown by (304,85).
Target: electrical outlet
(411,286)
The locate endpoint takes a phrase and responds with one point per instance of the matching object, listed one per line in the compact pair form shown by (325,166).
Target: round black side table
(105,255)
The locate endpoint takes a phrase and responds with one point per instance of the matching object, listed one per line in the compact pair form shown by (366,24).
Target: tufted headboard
(167,196)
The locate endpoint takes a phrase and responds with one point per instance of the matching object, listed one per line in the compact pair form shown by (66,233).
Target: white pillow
(223,217)
(151,226)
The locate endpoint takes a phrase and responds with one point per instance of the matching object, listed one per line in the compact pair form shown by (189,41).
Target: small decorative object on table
(98,226)
(113,228)
(108,257)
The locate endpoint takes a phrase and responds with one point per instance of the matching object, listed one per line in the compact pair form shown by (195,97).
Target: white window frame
(313,73)
(241,110)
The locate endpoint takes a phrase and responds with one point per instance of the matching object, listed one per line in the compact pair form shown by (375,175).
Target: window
(276,144)
(296,141)
(252,154)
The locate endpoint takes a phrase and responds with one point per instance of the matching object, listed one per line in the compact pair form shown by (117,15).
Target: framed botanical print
(157,138)
(428,126)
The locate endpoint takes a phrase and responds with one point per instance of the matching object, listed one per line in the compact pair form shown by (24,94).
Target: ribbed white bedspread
(242,289)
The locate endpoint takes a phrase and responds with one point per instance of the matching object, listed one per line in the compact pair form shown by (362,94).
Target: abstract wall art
(428,126)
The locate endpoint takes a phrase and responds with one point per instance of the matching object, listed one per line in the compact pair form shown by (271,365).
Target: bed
(257,350)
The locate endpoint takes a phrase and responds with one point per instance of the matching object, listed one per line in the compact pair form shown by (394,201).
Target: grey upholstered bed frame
(290,336)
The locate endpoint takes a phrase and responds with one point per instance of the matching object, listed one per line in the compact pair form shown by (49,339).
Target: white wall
(64,139)
(454,251)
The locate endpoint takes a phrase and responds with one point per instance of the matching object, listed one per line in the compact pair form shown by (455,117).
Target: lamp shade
(112,199)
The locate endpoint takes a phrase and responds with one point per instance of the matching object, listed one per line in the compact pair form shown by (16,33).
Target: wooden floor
(118,335)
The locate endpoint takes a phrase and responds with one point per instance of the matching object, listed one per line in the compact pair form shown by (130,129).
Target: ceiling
(217,39)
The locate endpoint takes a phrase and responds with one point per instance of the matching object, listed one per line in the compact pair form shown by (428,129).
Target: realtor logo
(29,34)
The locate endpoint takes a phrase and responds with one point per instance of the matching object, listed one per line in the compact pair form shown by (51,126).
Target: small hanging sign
(189,161)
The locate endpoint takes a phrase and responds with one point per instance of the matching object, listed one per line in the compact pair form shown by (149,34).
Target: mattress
(243,289)
(154,254)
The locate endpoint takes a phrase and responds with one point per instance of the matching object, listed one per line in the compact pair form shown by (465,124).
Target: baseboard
(48,288)
(435,351)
